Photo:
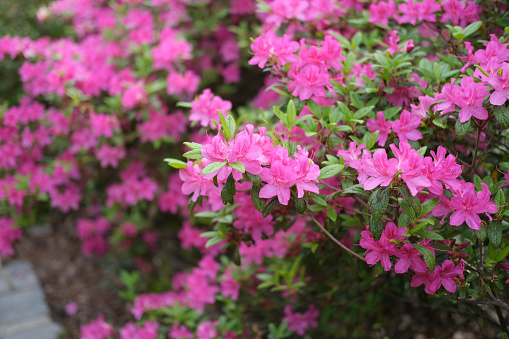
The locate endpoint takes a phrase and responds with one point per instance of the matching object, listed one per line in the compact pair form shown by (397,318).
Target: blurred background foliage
(18,18)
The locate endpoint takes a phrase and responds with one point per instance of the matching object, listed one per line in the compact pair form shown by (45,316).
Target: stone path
(23,311)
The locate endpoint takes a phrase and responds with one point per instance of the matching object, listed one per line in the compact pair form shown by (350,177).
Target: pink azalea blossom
(383,127)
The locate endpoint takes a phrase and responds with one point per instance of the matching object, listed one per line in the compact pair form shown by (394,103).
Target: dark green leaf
(427,234)
(502,115)
(330,171)
(428,206)
(300,205)
(495,233)
(461,128)
(379,203)
(428,256)
(270,207)
(332,214)
(376,228)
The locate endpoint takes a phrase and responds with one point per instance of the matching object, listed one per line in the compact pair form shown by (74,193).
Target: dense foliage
(374,157)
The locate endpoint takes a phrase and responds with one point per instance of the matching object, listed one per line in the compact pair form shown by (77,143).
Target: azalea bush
(332,151)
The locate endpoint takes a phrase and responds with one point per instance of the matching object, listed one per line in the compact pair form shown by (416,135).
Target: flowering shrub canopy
(380,135)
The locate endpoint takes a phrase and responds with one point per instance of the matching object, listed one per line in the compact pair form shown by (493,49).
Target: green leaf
(428,256)
(259,203)
(230,123)
(237,166)
(213,241)
(210,234)
(318,199)
(472,28)
(193,145)
(229,190)
(372,140)
(461,128)
(500,198)
(376,228)
(480,234)
(225,130)
(330,171)
(194,154)
(270,207)
(300,205)
(427,234)
(184,104)
(428,206)
(379,203)
(407,208)
(502,254)
(280,115)
(316,208)
(356,189)
(291,113)
(212,167)
(332,214)
(175,163)
(502,116)
(495,233)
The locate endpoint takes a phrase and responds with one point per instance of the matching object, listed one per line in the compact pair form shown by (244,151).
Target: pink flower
(392,42)
(406,127)
(381,12)
(134,96)
(279,177)
(378,250)
(180,332)
(443,276)
(500,83)
(207,330)
(353,152)
(410,13)
(97,329)
(470,100)
(269,48)
(409,257)
(8,235)
(468,206)
(309,81)
(205,108)
(230,287)
(301,322)
(383,127)
(381,171)
(307,173)
(71,308)
(110,155)
(179,84)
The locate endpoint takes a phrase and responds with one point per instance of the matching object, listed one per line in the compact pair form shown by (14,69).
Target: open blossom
(468,206)
(470,100)
(193,180)
(381,171)
(309,81)
(205,108)
(272,49)
(353,152)
(98,329)
(500,83)
(382,249)
(307,173)
(383,127)
(8,234)
(279,177)
(301,322)
(381,11)
(406,127)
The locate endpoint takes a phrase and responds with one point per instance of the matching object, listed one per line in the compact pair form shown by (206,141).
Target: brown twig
(352,253)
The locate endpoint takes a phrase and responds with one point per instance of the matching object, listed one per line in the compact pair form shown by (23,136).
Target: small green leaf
(318,199)
(379,203)
(193,154)
(428,256)
(270,207)
(300,205)
(427,234)
(175,163)
(480,234)
(461,128)
(213,241)
(376,228)
(372,140)
(230,123)
(495,233)
(332,214)
(184,104)
(225,130)
(193,145)
(212,167)
(210,234)
(259,203)
(502,116)
(427,207)
(502,254)
(356,189)
(500,198)
(291,113)
(237,166)
(330,171)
